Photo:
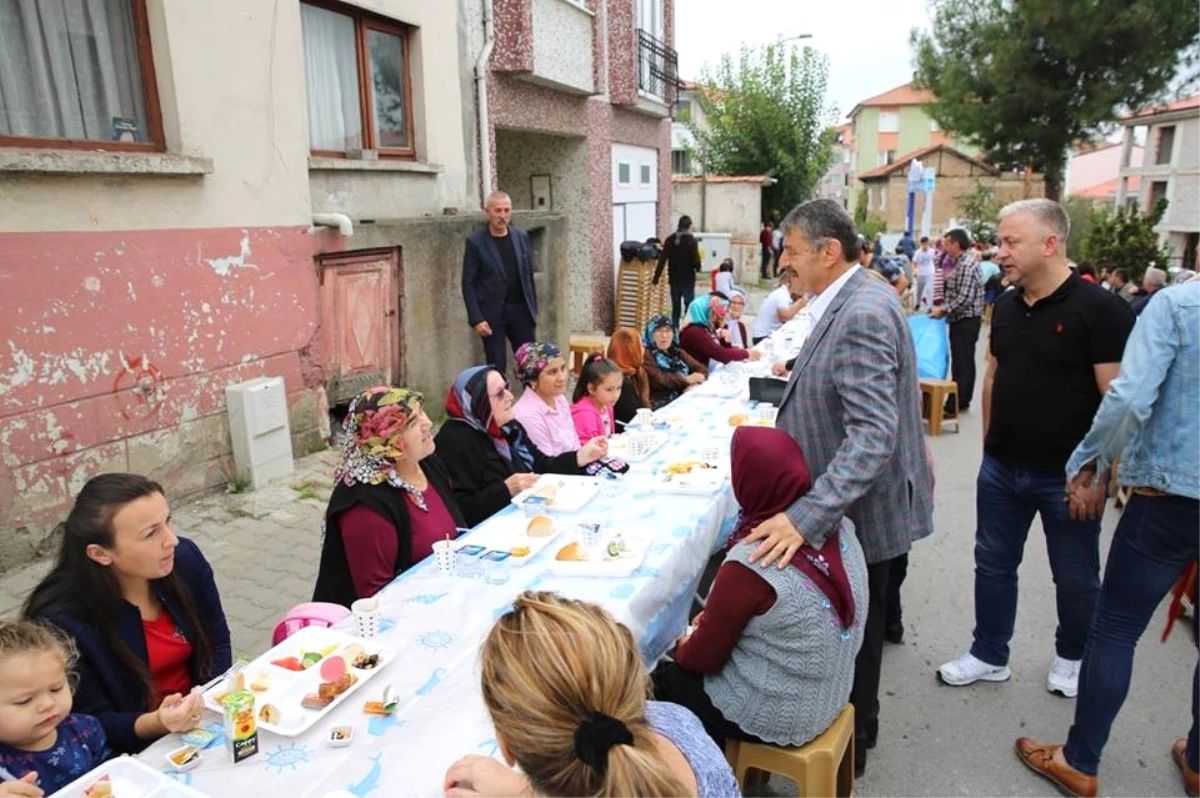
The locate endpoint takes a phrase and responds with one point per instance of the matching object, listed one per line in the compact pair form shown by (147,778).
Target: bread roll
(540,526)
(574,552)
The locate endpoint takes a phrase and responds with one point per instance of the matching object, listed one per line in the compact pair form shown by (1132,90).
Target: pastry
(547,492)
(332,690)
(261,683)
(101,789)
(519,551)
(315,701)
(540,526)
(738,419)
(238,683)
(573,552)
(269,713)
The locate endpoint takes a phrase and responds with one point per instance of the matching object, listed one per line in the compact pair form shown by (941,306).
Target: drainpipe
(339,220)
(481,70)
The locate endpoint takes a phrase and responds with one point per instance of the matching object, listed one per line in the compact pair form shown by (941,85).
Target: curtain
(331,75)
(69,69)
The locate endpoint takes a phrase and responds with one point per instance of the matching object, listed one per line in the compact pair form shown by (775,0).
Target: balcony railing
(658,68)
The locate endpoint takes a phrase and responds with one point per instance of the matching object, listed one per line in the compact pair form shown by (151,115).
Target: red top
(737,595)
(767,240)
(372,545)
(169,653)
(697,341)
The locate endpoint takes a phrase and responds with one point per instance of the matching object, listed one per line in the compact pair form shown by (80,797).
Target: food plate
(636,542)
(130,778)
(506,532)
(563,493)
(284,689)
(635,451)
(700,480)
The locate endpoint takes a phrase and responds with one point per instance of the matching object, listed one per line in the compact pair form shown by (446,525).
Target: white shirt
(924,261)
(820,303)
(767,320)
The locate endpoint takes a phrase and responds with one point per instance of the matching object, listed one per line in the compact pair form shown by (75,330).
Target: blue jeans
(1006,500)
(1154,542)
(681,297)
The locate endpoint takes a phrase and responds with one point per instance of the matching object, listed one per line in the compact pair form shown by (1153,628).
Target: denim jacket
(1152,408)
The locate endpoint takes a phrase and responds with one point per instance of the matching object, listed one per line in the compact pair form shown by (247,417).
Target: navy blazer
(484,281)
(109,690)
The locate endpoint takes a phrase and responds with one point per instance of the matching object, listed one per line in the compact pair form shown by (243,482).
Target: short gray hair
(820,220)
(1046,211)
(1155,276)
(496,195)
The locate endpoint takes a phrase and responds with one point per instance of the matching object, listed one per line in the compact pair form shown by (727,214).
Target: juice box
(241,726)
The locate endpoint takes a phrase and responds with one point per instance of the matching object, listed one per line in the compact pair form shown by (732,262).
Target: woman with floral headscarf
(543,409)
(391,499)
(669,370)
(700,338)
(488,453)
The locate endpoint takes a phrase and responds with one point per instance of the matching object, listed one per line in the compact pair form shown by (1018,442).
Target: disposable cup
(366,615)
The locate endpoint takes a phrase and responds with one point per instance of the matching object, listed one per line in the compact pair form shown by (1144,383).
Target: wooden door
(360,320)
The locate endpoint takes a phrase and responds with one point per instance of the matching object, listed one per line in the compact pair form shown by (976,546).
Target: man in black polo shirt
(1056,342)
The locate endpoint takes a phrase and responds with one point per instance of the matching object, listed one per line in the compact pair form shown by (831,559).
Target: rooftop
(901,95)
(903,161)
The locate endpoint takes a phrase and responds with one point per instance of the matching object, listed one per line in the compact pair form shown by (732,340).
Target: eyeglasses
(503,392)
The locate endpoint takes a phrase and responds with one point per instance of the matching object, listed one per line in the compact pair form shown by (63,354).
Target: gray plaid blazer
(854,406)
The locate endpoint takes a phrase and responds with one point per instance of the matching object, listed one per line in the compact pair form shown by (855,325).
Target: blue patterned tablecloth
(437,622)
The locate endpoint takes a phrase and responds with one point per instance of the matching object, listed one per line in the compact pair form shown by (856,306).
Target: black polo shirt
(1044,394)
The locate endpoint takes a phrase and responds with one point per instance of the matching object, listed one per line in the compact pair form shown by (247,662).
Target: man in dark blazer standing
(497,282)
(853,404)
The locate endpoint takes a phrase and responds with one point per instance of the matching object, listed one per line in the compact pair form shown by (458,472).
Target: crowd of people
(116,640)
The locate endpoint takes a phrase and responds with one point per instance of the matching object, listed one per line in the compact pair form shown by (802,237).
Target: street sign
(915,171)
(928,181)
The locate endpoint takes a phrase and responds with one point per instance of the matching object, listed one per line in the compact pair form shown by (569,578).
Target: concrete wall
(734,208)
(138,286)
(436,343)
(562,45)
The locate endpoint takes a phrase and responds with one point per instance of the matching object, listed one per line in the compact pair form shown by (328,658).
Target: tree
(1023,80)
(871,226)
(978,210)
(1126,238)
(1080,212)
(766,115)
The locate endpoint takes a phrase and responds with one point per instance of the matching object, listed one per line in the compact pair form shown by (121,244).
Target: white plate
(701,481)
(636,544)
(573,492)
(132,779)
(287,688)
(503,532)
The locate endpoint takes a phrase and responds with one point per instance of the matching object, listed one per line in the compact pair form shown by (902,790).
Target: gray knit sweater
(791,671)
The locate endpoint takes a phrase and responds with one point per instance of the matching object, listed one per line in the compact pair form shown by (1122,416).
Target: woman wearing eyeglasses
(488,452)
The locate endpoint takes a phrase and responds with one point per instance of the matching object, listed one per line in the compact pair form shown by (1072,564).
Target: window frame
(154,126)
(893,117)
(365,21)
(1158,145)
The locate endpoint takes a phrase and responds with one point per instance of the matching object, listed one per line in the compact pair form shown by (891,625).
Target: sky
(866,41)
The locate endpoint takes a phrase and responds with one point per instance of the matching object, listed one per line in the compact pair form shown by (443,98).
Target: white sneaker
(968,669)
(1064,677)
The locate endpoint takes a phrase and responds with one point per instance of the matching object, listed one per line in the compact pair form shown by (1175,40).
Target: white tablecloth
(437,623)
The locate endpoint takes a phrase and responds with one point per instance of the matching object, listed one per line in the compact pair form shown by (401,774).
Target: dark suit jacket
(107,689)
(484,282)
(854,406)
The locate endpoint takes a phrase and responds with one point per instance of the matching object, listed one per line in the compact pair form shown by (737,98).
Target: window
(78,76)
(1166,144)
(885,157)
(846,180)
(645,174)
(681,162)
(356,72)
(683,109)
(883,197)
(889,122)
(1158,192)
(623,171)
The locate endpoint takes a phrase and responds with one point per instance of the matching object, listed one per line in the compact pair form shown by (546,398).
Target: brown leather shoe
(1040,759)
(1191,779)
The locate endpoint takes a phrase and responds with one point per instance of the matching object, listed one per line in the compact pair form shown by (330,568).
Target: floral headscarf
(373,425)
(708,311)
(468,401)
(533,358)
(672,358)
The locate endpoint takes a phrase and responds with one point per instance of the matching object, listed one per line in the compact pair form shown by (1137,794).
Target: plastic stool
(823,766)
(313,613)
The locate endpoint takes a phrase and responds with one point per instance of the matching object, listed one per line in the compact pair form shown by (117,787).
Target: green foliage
(860,209)
(1024,80)
(766,114)
(1080,212)
(1125,238)
(978,211)
(871,226)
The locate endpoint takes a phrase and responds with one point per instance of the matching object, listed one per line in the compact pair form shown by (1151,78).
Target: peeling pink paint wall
(118,346)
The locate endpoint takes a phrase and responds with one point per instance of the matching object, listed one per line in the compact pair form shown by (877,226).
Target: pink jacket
(590,420)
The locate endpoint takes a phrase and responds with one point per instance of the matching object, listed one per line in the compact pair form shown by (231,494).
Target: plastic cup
(366,616)
(589,535)
(443,555)
(644,417)
(711,454)
(496,573)
(467,565)
(765,412)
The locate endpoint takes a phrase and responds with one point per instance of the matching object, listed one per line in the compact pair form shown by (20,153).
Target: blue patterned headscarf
(704,308)
(672,358)
(468,402)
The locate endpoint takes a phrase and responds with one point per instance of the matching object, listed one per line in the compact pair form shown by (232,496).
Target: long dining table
(437,621)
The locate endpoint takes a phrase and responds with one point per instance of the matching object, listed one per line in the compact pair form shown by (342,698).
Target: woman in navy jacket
(142,607)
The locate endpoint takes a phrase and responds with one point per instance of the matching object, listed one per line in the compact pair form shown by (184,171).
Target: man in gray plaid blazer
(853,404)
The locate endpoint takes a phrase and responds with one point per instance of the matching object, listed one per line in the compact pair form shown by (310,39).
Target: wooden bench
(934,394)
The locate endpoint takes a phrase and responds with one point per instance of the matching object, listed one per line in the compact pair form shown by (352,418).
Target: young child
(42,744)
(598,389)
